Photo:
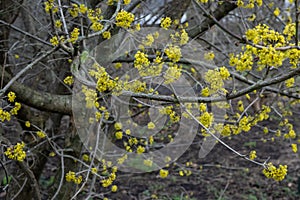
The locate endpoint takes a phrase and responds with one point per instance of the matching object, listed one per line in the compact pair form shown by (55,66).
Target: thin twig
(25,33)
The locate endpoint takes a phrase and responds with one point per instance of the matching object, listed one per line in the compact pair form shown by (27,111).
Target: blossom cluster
(16,152)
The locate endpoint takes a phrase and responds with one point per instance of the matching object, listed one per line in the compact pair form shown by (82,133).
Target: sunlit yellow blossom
(252,155)
(69,80)
(278,174)
(54,41)
(173,53)
(140,149)
(151,125)
(124,19)
(276,11)
(289,82)
(106,35)
(119,135)
(11,96)
(16,152)
(41,134)
(74,35)
(27,124)
(166,22)
(209,56)
(163,173)
(294,148)
(82,9)
(114,188)
(58,24)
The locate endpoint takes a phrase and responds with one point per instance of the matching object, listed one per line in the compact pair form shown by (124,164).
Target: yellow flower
(148,162)
(166,22)
(126,2)
(205,92)
(74,35)
(58,24)
(82,9)
(119,135)
(173,53)
(289,82)
(163,173)
(240,106)
(276,12)
(118,65)
(252,18)
(16,152)
(124,19)
(11,96)
(278,174)
(114,188)
(41,134)
(69,80)
(140,149)
(70,176)
(252,155)
(294,148)
(151,125)
(27,124)
(209,56)
(118,126)
(106,35)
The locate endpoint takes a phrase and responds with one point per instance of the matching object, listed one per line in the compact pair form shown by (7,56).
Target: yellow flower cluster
(209,56)
(252,155)
(163,173)
(289,31)
(49,6)
(173,53)
(4,115)
(13,111)
(141,60)
(124,19)
(180,38)
(16,152)
(74,35)
(54,41)
(135,86)
(206,119)
(144,66)
(71,177)
(97,26)
(289,82)
(172,74)
(11,96)
(106,35)
(250,4)
(69,80)
(104,82)
(41,134)
(75,10)
(168,110)
(90,96)
(151,125)
(149,40)
(294,148)
(94,15)
(215,78)
(278,174)
(166,22)
(109,181)
(242,61)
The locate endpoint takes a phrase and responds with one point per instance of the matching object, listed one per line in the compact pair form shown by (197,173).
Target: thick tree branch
(218,14)
(40,100)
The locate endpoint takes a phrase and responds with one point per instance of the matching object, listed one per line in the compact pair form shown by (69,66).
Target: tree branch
(218,14)
(40,100)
